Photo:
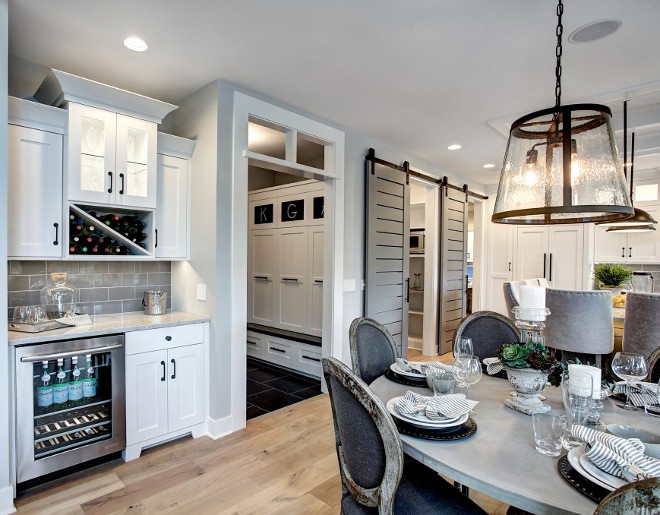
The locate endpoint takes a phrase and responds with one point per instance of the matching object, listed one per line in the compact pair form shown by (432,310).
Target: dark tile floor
(270,388)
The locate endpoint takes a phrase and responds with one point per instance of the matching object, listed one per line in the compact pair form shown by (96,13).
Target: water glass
(651,407)
(577,392)
(467,370)
(463,347)
(549,432)
(442,383)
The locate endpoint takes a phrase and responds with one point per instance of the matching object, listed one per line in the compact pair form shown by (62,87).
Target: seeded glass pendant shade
(561,166)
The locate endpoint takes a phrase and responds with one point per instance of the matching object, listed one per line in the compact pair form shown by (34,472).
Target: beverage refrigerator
(70,403)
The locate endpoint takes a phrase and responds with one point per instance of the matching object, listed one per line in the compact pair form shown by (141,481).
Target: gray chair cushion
(372,349)
(579,321)
(488,331)
(420,491)
(510,300)
(641,327)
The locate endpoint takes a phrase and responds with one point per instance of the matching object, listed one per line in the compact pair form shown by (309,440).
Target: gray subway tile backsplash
(105,287)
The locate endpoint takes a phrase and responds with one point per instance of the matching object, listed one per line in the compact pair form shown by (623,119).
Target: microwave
(416,241)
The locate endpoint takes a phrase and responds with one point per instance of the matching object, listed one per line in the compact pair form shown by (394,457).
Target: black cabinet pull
(173,369)
(290,279)
(260,278)
(168,338)
(407,289)
(629,252)
(121,176)
(278,350)
(57,233)
(110,188)
(509,266)
(545,256)
(550,266)
(318,281)
(467,280)
(156,242)
(311,358)
(623,251)
(163,378)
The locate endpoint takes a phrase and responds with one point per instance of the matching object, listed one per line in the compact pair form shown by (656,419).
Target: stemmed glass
(467,370)
(629,367)
(463,347)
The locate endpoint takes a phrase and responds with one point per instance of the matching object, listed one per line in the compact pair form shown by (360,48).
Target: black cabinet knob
(168,338)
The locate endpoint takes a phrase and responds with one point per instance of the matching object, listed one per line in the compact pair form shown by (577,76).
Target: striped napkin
(620,457)
(421,367)
(76,320)
(435,408)
(493,366)
(639,392)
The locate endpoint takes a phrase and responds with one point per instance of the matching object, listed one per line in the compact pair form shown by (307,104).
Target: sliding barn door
(453,266)
(387,235)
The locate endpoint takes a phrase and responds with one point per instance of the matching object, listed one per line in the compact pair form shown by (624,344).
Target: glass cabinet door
(92,174)
(136,162)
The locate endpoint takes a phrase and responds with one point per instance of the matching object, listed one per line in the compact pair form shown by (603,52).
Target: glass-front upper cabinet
(112,158)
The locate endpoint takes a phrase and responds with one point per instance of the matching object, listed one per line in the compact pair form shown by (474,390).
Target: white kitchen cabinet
(499,265)
(623,247)
(34,200)
(171,231)
(291,354)
(262,265)
(553,252)
(111,158)
(164,385)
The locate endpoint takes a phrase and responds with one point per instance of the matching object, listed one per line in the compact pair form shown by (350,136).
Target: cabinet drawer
(163,338)
(255,345)
(308,359)
(279,351)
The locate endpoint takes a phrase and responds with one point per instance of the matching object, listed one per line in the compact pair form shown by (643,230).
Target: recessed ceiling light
(594,30)
(489,165)
(135,44)
(454,147)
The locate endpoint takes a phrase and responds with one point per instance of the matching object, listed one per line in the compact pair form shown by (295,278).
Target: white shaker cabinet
(34,163)
(553,252)
(164,385)
(292,278)
(628,247)
(262,265)
(111,158)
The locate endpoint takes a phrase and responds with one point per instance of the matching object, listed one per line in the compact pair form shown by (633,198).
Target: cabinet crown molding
(60,87)
(175,145)
(36,116)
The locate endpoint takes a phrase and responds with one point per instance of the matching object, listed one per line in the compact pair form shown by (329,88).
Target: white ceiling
(418,74)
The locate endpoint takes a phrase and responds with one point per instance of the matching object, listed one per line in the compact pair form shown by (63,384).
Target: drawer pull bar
(260,278)
(318,281)
(173,369)
(311,358)
(290,279)
(252,343)
(278,350)
(163,364)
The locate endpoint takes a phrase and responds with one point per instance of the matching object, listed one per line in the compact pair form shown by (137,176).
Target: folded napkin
(639,392)
(435,408)
(420,367)
(493,366)
(76,320)
(620,457)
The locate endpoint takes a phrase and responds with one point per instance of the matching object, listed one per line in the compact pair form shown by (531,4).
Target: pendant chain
(558,50)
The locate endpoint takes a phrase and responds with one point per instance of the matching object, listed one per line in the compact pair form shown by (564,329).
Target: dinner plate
(397,370)
(574,460)
(590,468)
(421,420)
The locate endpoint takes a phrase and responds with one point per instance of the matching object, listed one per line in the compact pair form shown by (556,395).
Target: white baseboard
(217,428)
(7,500)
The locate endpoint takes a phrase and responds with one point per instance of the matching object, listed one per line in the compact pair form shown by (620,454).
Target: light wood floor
(283,462)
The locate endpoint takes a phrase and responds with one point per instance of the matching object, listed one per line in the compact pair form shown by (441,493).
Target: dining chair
(579,324)
(510,298)
(372,348)
(641,325)
(653,363)
(488,331)
(374,475)
(640,498)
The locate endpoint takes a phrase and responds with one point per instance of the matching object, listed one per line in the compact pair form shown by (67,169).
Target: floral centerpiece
(527,367)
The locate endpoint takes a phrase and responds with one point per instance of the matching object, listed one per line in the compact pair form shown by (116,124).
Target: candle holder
(530,321)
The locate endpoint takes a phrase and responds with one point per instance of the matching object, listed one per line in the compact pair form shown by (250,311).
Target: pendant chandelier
(561,164)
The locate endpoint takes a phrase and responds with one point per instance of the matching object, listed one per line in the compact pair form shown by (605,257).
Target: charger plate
(405,380)
(459,432)
(593,491)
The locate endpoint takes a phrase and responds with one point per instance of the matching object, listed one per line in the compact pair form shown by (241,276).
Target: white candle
(594,372)
(532,297)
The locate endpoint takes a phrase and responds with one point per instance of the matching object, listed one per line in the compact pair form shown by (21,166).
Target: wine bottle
(74,227)
(87,230)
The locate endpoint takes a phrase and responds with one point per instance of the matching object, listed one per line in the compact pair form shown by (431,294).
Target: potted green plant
(612,275)
(527,367)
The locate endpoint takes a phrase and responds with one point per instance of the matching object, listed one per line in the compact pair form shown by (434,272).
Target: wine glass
(463,347)
(468,372)
(629,367)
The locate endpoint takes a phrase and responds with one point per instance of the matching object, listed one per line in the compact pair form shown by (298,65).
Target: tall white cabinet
(285,258)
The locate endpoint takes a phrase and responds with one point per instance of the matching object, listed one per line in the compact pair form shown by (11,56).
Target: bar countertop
(107,324)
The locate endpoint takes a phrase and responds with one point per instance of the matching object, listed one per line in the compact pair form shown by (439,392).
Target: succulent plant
(527,355)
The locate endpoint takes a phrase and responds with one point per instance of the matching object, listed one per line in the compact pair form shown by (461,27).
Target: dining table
(500,459)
